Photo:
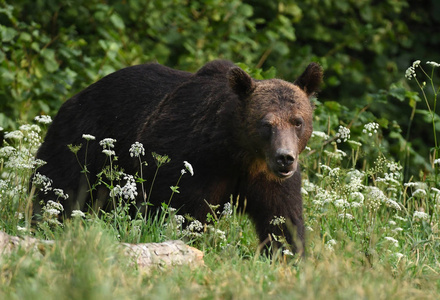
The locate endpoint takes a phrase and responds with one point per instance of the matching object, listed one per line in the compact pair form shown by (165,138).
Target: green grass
(370,234)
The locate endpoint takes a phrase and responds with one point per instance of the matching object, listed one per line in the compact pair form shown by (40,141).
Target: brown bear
(242,136)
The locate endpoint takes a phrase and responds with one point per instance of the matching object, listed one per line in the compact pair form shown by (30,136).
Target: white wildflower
(354,143)
(137,149)
(325,167)
(419,193)
(342,153)
(88,137)
(334,172)
(287,252)
(374,198)
(60,193)
(398,255)
(437,161)
(346,216)
(356,179)
(22,229)
(355,204)
(227,209)
(308,186)
(343,134)
(7,151)
(399,218)
(179,219)
(370,128)
(51,212)
(393,241)
(411,71)
(341,203)
(109,152)
(433,64)
(410,184)
(392,223)
(25,127)
(77,214)
(329,245)
(54,205)
(219,233)
(116,191)
(357,196)
(195,226)
(397,230)
(392,204)
(128,191)
(52,209)
(15,135)
(44,119)
(276,221)
(107,143)
(394,167)
(189,167)
(320,134)
(182,171)
(420,215)
(43,182)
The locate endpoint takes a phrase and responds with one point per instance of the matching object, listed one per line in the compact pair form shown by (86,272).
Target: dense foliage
(50,50)
(371,170)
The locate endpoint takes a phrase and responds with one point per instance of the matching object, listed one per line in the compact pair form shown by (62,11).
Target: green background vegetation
(52,49)
(372,226)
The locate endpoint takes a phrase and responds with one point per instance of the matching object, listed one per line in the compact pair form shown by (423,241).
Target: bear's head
(276,119)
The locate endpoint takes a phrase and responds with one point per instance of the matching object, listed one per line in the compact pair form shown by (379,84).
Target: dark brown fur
(242,136)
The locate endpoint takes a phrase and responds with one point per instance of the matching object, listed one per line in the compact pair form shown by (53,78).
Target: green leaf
(398,92)
(117,21)
(333,106)
(50,62)
(7,33)
(175,189)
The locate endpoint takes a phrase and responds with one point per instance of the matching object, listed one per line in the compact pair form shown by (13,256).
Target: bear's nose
(284,158)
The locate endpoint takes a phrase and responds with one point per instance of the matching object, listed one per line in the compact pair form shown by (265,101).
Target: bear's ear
(311,79)
(240,82)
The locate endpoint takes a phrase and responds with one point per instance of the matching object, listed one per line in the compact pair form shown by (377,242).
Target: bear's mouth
(285,173)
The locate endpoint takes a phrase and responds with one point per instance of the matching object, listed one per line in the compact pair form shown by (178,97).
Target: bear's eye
(266,129)
(298,123)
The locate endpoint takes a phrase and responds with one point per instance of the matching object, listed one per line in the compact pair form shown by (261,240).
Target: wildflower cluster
(127,191)
(88,137)
(77,214)
(277,221)
(44,119)
(194,229)
(420,215)
(189,167)
(137,149)
(343,134)
(51,212)
(107,144)
(370,128)
(320,134)
(411,71)
(433,64)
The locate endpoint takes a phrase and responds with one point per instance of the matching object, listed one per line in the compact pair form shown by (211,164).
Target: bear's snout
(285,163)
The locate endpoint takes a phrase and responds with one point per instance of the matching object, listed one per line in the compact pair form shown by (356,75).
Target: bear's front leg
(277,210)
